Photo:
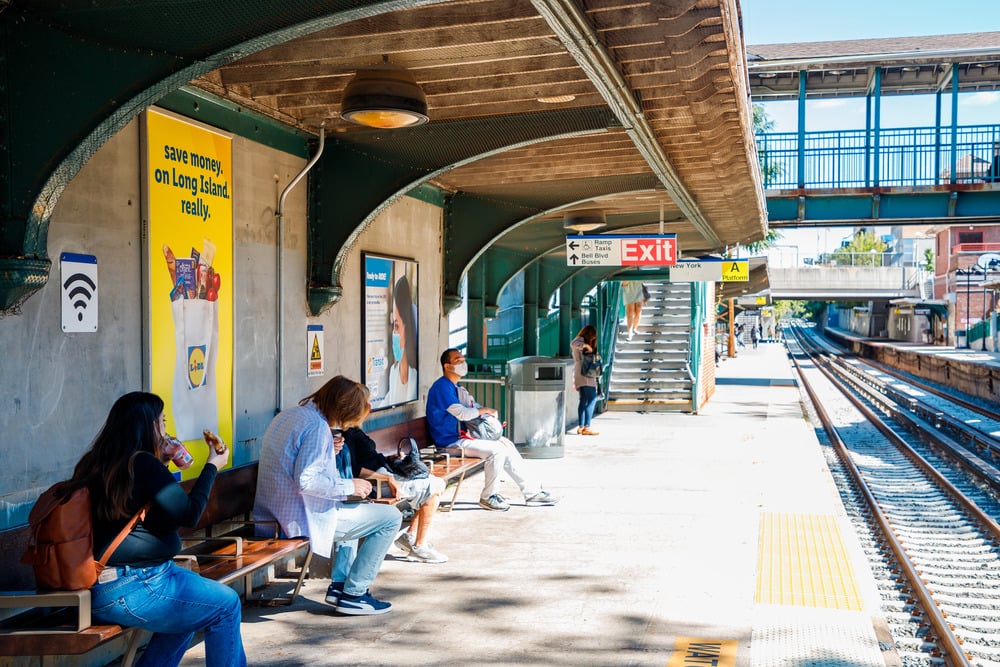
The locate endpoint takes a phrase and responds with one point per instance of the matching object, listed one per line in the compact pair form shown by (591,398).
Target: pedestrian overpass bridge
(847,283)
(946,173)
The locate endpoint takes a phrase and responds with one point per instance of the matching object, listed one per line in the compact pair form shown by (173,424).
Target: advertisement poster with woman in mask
(390,367)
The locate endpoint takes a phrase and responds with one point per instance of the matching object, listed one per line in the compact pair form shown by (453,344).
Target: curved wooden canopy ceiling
(669,77)
(673,73)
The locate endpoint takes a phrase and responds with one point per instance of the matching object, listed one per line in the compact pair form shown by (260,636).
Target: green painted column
(531,310)
(954,125)
(476,313)
(802,130)
(565,319)
(877,140)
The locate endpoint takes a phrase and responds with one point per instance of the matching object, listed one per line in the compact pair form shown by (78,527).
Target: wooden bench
(221,547)
(451,465)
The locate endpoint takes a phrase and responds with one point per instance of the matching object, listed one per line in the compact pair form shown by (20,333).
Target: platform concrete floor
(655,538)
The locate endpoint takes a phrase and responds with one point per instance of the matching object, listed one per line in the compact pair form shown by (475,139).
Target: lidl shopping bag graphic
(196,331)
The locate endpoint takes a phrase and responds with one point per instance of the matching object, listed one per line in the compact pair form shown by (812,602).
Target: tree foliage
(763,123)
(863,250)
(769,171)
(928,259)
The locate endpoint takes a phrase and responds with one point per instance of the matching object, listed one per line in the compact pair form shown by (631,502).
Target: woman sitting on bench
(141,587)
(362,459)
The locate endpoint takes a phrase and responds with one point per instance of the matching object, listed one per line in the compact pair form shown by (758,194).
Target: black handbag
(408,466)
(591,365)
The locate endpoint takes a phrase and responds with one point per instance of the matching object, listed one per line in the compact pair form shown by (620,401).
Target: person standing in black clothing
(141,586)
(422,495)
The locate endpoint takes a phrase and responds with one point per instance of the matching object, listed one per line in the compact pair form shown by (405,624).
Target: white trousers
(498,455)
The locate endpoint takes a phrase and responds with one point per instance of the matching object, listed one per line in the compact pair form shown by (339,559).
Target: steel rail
(946,639)
(893,400)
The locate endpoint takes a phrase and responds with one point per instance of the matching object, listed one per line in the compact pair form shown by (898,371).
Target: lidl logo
(196,366)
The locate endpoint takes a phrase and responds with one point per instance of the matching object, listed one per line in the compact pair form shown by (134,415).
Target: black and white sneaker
(333,592)
(362,605)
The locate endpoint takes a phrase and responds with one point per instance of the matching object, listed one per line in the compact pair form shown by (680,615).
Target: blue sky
(781,21)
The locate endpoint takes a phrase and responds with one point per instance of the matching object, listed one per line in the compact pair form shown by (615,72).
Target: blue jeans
(588,400)
(376,525)
(173,603)
(343,560)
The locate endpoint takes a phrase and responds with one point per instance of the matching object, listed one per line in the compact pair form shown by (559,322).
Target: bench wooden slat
(223,565)
(58,643)
(452,470)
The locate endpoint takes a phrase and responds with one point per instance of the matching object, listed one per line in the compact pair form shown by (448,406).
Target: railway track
(918,479)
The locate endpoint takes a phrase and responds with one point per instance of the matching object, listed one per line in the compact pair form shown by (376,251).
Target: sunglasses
(337,433)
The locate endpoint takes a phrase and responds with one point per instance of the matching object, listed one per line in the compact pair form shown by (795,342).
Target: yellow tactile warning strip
(803,562)
(692,652)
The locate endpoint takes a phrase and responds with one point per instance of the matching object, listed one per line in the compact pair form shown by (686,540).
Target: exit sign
(621,250)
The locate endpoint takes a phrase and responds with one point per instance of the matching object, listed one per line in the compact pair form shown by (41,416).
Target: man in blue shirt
(448,405)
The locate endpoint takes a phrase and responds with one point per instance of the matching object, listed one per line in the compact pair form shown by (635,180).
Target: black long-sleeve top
(155,540)
(363,451)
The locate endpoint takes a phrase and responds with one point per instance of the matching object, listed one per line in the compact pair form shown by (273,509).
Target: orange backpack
(61,547)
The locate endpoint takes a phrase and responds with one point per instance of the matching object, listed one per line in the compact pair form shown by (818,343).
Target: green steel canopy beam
(362,174)
(75,72)
(474,222)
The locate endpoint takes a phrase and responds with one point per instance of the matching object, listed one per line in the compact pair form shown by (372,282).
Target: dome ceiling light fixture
(584,221)
(384,96)
(557,99)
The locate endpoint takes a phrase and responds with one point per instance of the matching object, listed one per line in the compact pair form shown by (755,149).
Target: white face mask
(461,370)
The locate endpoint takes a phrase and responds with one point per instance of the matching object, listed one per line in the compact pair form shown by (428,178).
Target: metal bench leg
(261,601)
(134,635)
(454,496)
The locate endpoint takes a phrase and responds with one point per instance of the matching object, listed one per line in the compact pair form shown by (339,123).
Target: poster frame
(377,328)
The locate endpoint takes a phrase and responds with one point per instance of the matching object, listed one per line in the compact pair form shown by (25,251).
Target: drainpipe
(279,215)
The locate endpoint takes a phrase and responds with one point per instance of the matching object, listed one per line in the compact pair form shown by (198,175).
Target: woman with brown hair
(141,586)
(585,342)
(300,487)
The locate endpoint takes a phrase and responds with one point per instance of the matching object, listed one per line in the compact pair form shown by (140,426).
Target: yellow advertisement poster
(189,186)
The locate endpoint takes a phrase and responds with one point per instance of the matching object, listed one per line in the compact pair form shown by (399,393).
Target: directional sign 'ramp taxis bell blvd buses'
(621,250)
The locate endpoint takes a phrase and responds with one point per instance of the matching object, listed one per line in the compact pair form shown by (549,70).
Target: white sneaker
(405,542)
(541,499)
(425,553)
(496,502)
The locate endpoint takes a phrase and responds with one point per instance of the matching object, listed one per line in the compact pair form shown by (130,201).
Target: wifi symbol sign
(79,292)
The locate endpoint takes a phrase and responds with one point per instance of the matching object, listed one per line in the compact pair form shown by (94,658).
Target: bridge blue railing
(905,157)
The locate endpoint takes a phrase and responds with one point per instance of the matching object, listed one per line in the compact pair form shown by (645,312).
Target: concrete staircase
(649,372)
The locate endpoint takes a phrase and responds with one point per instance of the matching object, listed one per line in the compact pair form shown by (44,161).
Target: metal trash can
(536,405)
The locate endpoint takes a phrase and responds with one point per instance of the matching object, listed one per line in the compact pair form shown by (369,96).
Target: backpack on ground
(61,546)
(591,365)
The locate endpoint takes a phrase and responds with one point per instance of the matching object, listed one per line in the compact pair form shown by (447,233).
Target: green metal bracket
(75,72)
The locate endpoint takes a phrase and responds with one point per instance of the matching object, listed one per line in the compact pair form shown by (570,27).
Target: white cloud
(983,99)
(830,103)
